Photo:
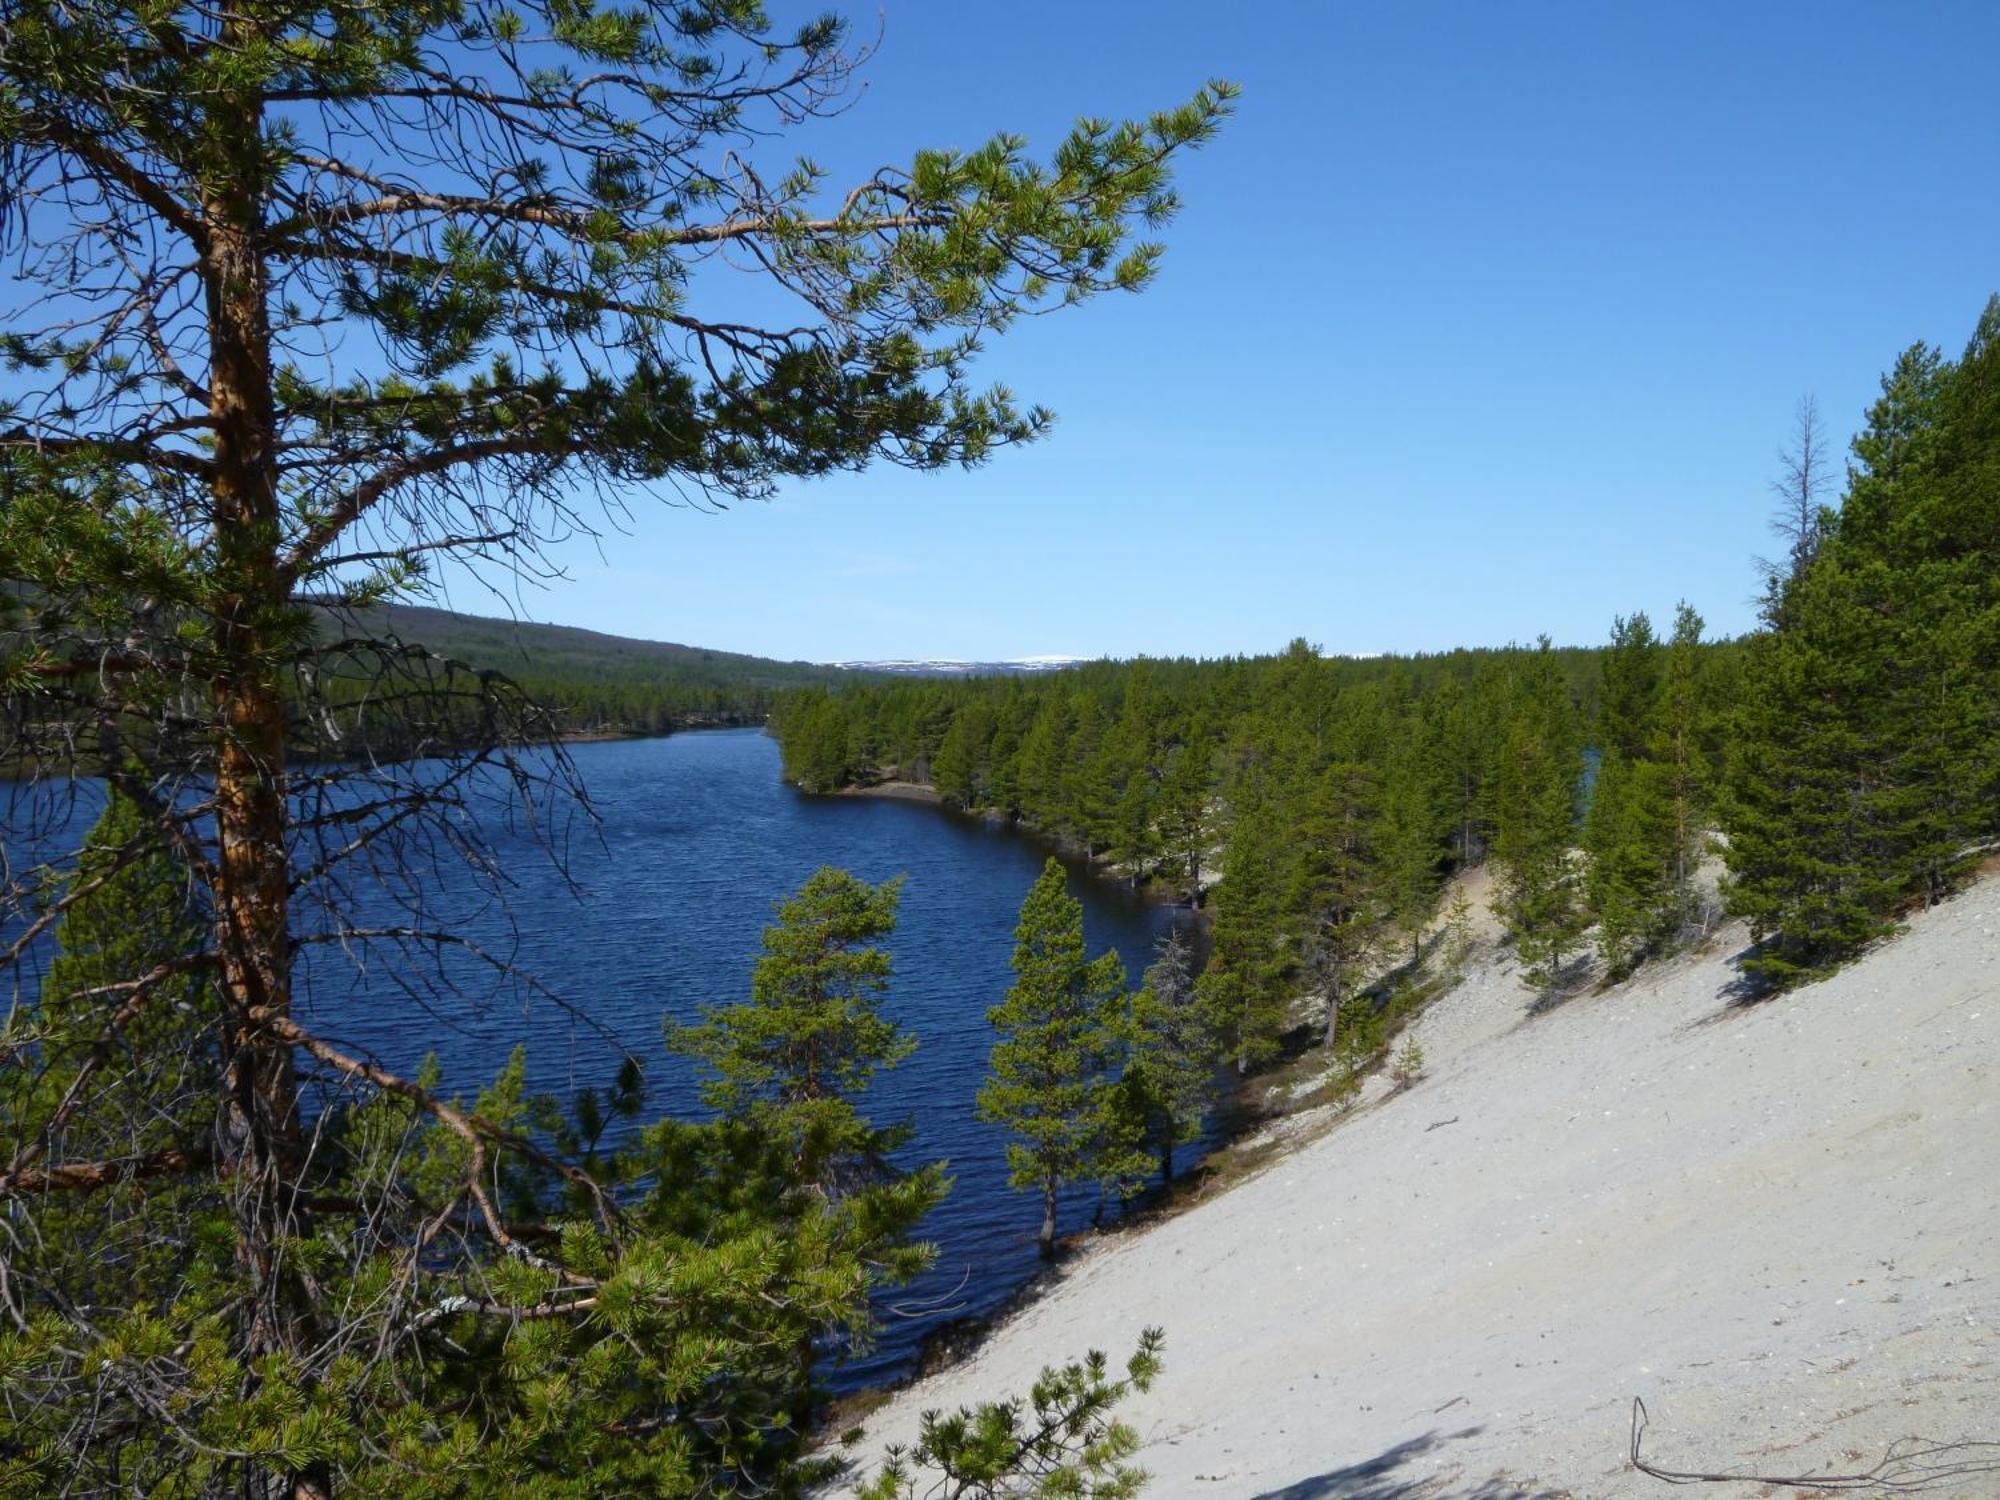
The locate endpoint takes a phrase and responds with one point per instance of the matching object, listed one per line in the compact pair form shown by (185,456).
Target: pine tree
(797,1058)
(1044,777)
(313,304)
(1632,852)
(1631,859)
(1411,841)
(1802,848)
(954,771)
(1173,1052)
(1684,709)
(1629,691)
(1252,955)
(1049,1079)
(1184,808)
(1339,883)
(92,1030)
(1535,822)
(817,750)
(1864,770)
(789,1071)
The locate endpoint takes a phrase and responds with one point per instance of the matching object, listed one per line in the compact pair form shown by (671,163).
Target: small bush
(1408,1066)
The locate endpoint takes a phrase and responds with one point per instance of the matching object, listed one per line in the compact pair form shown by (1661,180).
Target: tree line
(1315,808)
(1842,761)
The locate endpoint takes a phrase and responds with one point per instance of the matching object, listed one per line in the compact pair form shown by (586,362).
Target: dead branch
(1909,1466)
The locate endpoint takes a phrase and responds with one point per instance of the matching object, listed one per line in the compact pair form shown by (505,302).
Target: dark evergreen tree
(1049,1079)
(789,1071)
(1185,813)
(134,933)
(1629,690)
(1338,885)
(1252,955)
(1412,837)
(1631,859)
(1685,710)
(1173,1053)
(1535,822)
(1864,772)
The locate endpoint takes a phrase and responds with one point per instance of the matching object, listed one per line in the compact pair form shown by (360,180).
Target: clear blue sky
(1480,320)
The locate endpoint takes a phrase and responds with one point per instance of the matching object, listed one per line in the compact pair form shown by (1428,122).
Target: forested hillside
(1844,759)
(605,683)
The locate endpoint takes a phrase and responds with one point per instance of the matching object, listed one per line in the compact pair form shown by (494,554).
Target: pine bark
(259,1126)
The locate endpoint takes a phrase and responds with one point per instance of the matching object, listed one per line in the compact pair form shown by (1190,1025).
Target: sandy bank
(894,791)
(1779,1224)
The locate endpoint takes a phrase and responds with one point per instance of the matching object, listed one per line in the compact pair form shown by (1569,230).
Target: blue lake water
(662,914)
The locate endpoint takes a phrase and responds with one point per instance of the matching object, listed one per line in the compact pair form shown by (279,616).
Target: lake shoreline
(896,789)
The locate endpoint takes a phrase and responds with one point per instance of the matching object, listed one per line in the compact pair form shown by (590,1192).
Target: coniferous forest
(1842,762)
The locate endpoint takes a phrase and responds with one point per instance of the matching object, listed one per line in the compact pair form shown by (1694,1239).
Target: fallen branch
(1910,1466)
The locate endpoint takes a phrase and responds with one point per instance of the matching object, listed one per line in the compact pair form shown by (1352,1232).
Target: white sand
(1780,1225)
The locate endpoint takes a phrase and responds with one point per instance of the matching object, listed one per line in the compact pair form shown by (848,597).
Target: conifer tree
(1252,956)
(1805,862)
(134,923)
(954,771)
(1173,1052)
(1049,1080)
(1411,840)
(1339,882)
(1184,808)
(1684,708)
(790,1068)
(1631,855)
(1863,771)
(1044,776)
(795,1061)
(1630,837)
(1535,821)
(316,301)
(1629,690)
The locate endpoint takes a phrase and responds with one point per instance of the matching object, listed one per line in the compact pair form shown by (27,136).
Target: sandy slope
(1778,1224)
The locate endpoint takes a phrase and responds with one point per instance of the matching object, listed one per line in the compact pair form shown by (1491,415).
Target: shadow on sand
(1379,1479)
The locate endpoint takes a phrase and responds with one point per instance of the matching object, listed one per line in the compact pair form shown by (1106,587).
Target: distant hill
(606,684)
(526,649)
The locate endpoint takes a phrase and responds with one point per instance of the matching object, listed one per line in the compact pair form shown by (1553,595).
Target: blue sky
(1480,320)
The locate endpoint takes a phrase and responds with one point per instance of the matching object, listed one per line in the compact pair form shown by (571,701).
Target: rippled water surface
(698,837)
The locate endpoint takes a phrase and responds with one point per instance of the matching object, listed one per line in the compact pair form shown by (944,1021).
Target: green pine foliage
(1630,845)
(793,1064)
(90,1033)
(1643,833)
(1339,886)
(1050,1079)
(1253,949)
(1681,748)
(1217,782)
(1173,1050)
(515,216)
(1535,790)
(1061,1442)
(1865,766)
(1412,840)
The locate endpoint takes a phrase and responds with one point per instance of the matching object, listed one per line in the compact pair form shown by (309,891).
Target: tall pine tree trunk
(260,1124)
(1047,1242)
